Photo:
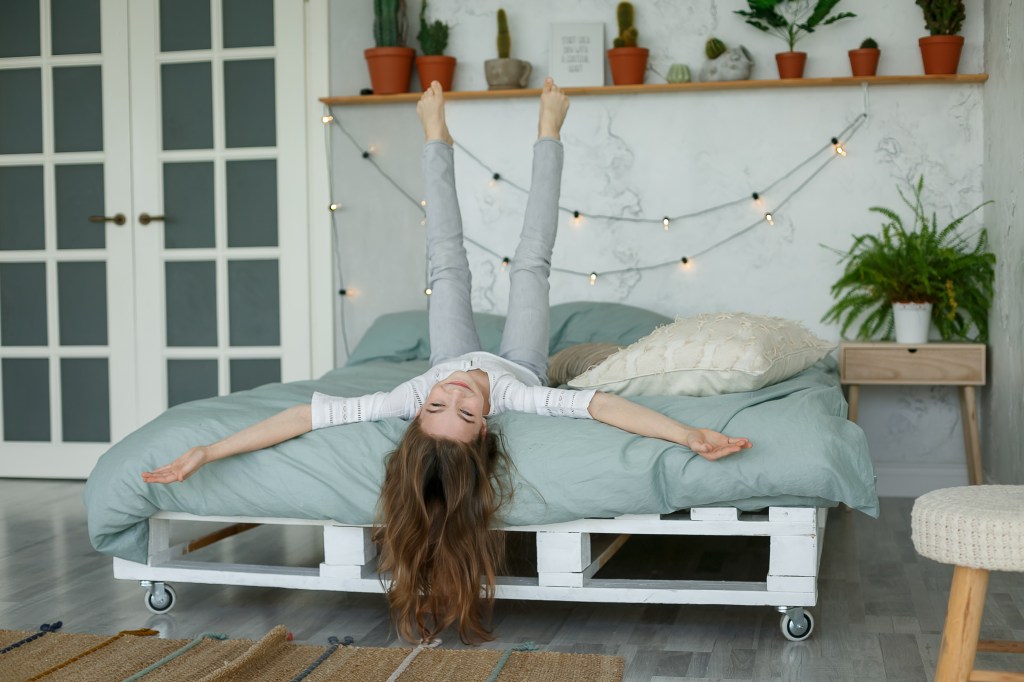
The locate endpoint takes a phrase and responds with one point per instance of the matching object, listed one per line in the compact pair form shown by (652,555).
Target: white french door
(153,215)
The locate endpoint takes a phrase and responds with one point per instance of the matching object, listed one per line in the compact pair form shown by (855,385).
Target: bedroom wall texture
(654,155)
(1003,403)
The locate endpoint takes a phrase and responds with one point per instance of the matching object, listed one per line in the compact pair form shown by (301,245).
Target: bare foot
(553,106)
(430,109)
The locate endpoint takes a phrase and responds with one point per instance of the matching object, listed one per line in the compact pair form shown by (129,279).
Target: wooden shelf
(670,87)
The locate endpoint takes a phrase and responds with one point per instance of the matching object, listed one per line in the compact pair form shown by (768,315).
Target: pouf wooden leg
(963,623)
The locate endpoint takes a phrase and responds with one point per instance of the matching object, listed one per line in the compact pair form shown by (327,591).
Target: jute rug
(49,655)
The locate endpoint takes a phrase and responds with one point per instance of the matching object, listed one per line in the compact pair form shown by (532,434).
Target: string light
(504,262)
(577,215)
(334,207)
(342,292)
(326,119)
(428,291)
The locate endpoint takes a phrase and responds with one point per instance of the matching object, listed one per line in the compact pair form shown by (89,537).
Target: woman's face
(454,409)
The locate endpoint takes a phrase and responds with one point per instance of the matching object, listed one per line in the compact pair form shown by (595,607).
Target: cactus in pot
(390,62)
(627,61)
(505,73)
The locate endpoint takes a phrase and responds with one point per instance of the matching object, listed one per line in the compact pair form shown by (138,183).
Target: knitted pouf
(978,526)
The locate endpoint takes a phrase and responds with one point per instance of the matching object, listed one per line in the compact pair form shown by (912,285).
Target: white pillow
(707,355)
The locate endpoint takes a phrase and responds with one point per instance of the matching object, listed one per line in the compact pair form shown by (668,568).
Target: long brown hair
(434,525)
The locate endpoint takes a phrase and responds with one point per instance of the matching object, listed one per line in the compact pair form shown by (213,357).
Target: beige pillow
(575,360)
(708,355)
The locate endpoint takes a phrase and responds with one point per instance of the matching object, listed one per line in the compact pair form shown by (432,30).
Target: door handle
(146,219)
(118,219)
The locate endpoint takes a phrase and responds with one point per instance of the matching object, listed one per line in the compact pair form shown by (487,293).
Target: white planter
(913,320)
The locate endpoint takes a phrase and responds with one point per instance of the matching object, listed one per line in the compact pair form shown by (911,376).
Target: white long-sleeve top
(513,388)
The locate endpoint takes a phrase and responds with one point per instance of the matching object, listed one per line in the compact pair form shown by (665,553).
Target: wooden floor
(879,613)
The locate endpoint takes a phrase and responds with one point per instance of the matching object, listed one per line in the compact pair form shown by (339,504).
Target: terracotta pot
(628,64)
(864,61)
(506,73)
(440,68)
(940,54)
(791,64)
(390,69)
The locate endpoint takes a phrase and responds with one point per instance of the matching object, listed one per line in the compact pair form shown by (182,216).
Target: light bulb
(428,291)
(423,202)
(504,263)
(664,223)
(335,207)
(423,222)
(840,150)
(326,119)
(593,278)
(769,218)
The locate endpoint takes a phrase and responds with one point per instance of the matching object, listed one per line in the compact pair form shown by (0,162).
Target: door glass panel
(191,304)
(248,23)
(187,100)
(19,28)
(85,400)
(249,118)
(76,26)
(26,395)
(21,207)
(82,297)
(21,111)
(190,380)
(23,304)
(79,192)
(188,205)
(246,374)
(252,202)
(184,25)
(254,317)
(77,109)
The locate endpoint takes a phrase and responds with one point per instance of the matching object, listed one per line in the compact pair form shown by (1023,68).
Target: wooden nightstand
(931,364)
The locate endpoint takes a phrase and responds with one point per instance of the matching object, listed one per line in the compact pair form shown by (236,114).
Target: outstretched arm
(292,422)
(628,416)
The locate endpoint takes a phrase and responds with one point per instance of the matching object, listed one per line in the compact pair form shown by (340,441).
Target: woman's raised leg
(450,310)
(525,339)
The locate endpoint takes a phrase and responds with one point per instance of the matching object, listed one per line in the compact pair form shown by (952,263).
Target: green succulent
(922,264)
(504,37)
(433,37)
(714,48)
(943,17)
(627,31)
(869,44)
(389,23)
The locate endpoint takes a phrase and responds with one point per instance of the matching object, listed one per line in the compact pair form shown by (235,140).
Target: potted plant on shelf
(908,279)
(864,60)
(390,63)
(505,73)
(791,20)
(940,51)
(628,62)
(434,65)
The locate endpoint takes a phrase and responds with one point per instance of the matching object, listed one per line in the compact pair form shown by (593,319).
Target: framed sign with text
(576,57)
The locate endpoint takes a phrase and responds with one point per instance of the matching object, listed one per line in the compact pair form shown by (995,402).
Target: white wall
(1004,171)
(669,154)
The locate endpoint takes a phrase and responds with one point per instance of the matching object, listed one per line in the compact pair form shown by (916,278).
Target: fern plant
(791,20)
(921,264)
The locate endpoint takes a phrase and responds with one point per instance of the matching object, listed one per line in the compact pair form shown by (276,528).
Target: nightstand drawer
(958,364)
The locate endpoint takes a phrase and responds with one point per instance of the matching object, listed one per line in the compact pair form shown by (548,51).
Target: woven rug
(49,655)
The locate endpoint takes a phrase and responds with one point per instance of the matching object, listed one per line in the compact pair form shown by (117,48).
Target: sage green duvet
(805,451)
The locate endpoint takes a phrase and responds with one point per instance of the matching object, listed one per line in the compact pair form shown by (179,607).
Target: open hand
(179,469)
(713,445)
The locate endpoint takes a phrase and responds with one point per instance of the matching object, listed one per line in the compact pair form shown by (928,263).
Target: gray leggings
(452,332)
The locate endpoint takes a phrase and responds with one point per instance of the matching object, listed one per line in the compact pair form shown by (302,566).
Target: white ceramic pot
(913,320)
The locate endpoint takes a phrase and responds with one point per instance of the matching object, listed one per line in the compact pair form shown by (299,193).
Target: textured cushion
(978,526)
(709,354)
(575,360)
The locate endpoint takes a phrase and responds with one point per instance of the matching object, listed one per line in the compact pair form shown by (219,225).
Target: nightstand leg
(853,397)
(972,443)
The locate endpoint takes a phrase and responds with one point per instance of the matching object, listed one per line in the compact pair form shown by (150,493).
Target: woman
(446,480)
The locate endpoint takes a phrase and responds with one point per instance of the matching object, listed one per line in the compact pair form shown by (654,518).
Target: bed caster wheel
(160,597)
(797,628)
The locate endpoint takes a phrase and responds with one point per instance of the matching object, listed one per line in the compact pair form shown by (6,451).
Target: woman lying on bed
(445,482)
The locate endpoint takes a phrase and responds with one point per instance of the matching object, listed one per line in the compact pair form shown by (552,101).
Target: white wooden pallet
(567,560)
